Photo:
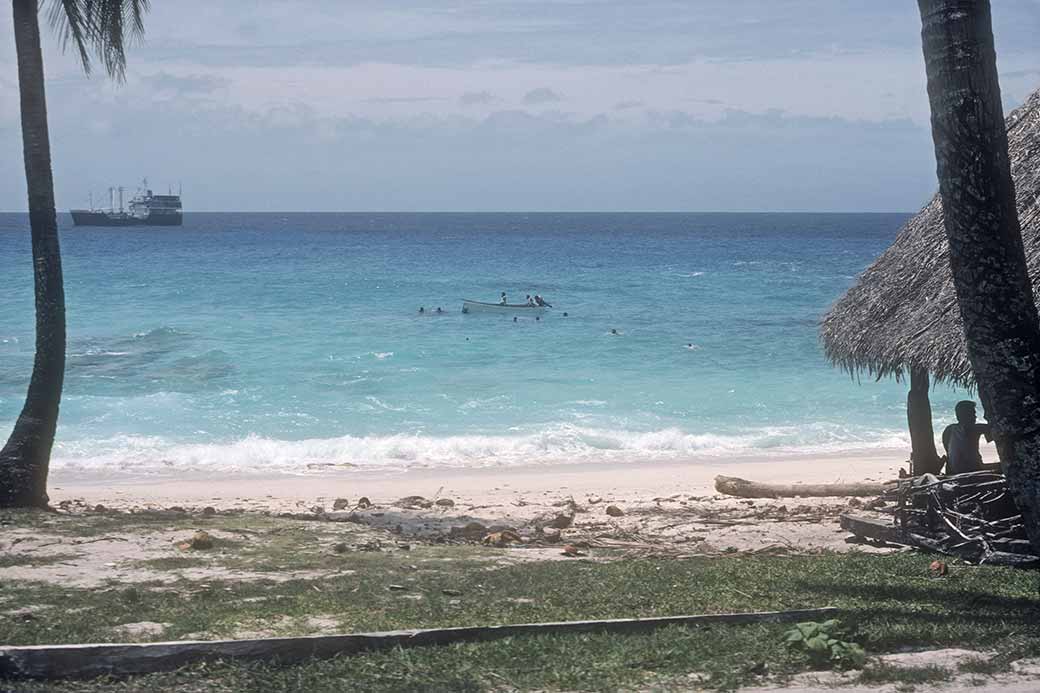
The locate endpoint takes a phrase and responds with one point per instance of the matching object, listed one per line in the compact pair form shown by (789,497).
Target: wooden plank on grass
(80,661)
(878,530)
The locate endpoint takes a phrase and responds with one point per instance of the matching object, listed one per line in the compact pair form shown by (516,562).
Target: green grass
(886,603)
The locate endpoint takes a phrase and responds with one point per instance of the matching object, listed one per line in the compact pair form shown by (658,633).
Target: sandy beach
(491,486)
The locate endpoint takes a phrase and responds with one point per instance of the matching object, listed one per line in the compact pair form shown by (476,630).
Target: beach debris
(572,551)
(396,588)
(445,503)
(615,511)
(551,534)
(340,504)
(571,505)
(99,508)
(374,545)
(318,509)
(363,503)
(200,541)
(501,539)
(593,500)
(938,568)
(554,520)
(971,516)
(472,530)
(403,546)
(340,547)
(451,593)
(414,503)
(743,488)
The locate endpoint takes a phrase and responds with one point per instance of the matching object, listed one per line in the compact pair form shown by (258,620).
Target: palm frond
(100,27)
(66,17)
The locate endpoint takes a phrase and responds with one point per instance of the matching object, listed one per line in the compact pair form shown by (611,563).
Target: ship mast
(120,199)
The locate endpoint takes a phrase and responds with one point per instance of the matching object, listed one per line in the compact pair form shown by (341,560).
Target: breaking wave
(560,444)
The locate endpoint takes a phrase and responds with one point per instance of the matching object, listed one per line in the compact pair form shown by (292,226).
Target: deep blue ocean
(293,343)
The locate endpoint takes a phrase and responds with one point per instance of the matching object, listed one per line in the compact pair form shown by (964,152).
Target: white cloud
(428,84)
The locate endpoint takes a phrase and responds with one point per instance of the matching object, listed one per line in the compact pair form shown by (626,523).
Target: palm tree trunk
(923,457)
(987,259)
(25,458)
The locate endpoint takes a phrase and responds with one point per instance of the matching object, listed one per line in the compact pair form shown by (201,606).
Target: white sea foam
(558,444)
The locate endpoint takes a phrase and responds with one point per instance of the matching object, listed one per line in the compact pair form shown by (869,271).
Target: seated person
(961,441)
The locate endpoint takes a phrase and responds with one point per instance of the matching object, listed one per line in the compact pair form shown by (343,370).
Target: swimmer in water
(613,331)
(421,310)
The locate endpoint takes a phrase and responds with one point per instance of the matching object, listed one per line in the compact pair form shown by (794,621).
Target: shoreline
(485,486)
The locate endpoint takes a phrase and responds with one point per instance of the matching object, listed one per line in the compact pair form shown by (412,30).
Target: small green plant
(821,642)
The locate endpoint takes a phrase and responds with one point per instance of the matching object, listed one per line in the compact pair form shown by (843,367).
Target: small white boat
(501,308)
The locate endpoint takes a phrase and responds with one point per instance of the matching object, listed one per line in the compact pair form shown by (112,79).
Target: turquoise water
(266,342)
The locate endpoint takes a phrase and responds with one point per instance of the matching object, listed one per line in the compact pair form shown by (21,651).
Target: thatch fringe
(902,312)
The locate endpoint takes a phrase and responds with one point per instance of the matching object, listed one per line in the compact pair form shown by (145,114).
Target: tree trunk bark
(25,458)
(987,259)
(923,457)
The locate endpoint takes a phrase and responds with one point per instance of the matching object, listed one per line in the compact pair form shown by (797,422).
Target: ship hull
(84,217)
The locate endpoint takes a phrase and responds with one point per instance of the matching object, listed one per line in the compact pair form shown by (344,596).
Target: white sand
(494,486)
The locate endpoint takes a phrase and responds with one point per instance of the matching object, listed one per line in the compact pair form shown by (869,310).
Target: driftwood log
(734,486)
(80,661)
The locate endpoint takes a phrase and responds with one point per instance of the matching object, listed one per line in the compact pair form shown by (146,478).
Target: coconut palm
(101,29)
(987,258)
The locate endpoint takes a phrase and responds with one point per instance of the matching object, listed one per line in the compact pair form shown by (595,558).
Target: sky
(507,105)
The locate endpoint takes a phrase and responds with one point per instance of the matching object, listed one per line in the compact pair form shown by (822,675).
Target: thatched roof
(902,312)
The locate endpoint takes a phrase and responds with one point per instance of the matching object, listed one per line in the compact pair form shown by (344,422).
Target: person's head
(613,330)
(514,318)
(564,313)
(965,411)
(503,293)
(421,309)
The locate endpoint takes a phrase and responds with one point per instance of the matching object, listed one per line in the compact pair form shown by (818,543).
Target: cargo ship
(145,209)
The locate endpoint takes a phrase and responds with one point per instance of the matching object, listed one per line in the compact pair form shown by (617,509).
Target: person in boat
(502,301)
(961,441)
(541,301)
(439,311)
(529,301)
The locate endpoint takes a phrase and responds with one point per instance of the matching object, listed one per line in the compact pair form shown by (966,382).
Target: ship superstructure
(145,209)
